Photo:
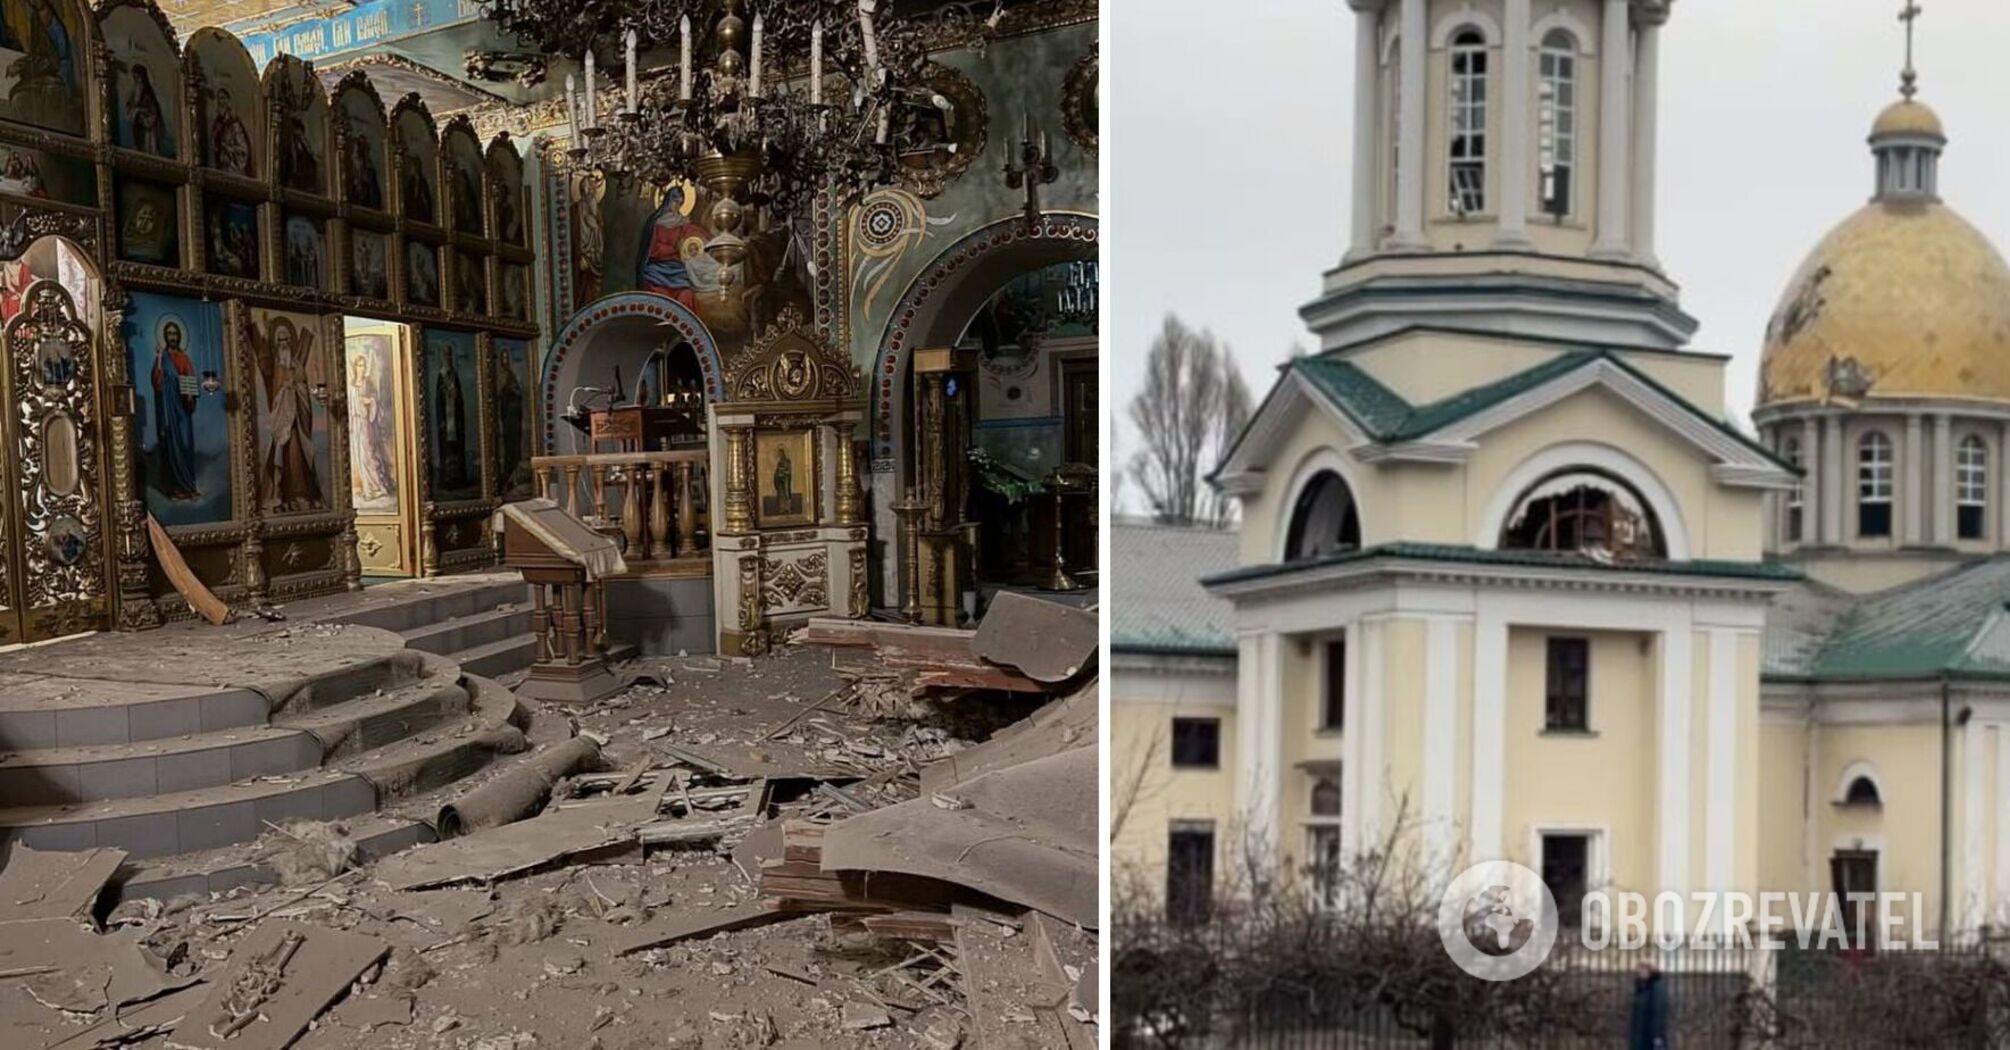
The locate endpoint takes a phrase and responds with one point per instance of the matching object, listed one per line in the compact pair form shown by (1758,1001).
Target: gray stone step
(496,659)
(383,717)
(432,601)
(187,821)
(57,775)
(47,714)
(469,632)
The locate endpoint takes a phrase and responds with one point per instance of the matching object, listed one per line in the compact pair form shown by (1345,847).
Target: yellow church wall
(1424,367)
(1398,786)
(1602,780)
(1751,658)
(1868,573)
(1905,830)
(1152,794)
(1783,806)
(1262,530)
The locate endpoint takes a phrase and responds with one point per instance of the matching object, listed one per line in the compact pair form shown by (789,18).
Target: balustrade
(653,503)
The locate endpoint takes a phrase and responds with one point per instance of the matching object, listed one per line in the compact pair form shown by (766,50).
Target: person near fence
(1648,1029)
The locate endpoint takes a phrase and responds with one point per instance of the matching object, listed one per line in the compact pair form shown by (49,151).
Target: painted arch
(644,316)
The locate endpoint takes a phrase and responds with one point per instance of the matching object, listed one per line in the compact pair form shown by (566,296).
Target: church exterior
(1508,582)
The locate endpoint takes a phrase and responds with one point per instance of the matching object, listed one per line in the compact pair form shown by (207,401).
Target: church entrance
(53,526)
(383,448)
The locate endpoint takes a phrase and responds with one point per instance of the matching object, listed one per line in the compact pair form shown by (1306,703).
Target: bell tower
(1504,173)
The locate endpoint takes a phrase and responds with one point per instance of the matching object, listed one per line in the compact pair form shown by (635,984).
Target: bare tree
(1193,404)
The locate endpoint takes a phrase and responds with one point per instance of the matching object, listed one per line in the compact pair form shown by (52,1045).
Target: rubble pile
(874,837)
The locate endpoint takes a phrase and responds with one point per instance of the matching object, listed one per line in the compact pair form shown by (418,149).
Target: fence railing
(655,502)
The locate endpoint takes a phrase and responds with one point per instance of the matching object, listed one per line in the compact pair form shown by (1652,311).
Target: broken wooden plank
(668,929)
(279,980)
(44,884)
(184,579)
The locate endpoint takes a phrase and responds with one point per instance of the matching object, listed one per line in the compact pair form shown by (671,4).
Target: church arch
(1588,456)
(644,318)
(1321,501)
(1453,23)
(1585,40)
(1859,785)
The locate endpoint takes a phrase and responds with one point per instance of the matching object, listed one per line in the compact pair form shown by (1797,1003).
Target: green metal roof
(1950,624)
(1157,605)
(1459,554)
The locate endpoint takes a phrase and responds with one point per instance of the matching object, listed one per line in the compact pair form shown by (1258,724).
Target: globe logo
(1497,920)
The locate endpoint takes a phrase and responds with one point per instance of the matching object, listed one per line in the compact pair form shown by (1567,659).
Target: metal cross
(1908,83)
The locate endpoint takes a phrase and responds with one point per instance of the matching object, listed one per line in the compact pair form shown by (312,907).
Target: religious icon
(471,282)
(299,145)
(21,173)
(515,294)
(373,423)
(456,444)
(175,389)
(145,121)
(417,190)
(55,360)
(509,217)
(512,411)
(44,85)
(283,354)
(467,198)
(785,476)
(589,267)
(147,224)
(367,274)
(422,274)
(360,181)
(229,142)
(67,540)
(233,238)
(305,265)
(674,261)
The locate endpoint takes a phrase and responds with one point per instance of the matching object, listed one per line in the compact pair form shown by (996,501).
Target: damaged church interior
(549,523)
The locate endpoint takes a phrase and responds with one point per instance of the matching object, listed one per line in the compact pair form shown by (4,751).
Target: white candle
(865,31)
(754,68)
(817,63)
(633,100)
(592,112)
(684,58)
(885,118)
(572,101)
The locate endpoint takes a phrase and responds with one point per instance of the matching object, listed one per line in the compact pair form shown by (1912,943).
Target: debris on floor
(875,837)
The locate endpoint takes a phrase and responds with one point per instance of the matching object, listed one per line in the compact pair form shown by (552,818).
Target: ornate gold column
(739,502)
(848,510)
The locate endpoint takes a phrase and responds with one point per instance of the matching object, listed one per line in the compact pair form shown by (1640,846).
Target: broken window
(1190,871)
(1196,743)
(1322,837)
(1556,132)
(1469,123)
(1862,792)
(1584,512)
(1873,486)
(1971,487)
(1790,450)
(1566,870)
(1324,520)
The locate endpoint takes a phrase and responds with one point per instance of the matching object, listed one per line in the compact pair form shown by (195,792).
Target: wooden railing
(654,501)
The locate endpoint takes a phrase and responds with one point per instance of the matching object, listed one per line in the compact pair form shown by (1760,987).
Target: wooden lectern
(565,562)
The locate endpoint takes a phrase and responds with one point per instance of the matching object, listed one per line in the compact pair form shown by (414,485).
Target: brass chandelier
(769,103)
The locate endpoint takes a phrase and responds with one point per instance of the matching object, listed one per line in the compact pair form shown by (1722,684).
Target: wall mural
(453,420)
(43,51)
(516,418)
(175,354)
(288,365)
(373,422)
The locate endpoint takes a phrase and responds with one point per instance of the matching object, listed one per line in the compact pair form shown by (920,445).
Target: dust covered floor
(650,931)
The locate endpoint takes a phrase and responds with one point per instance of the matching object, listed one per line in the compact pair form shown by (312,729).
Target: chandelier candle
(865,32)
(754,67)
(817,63)
(684,58)
(592,117)
(629,41)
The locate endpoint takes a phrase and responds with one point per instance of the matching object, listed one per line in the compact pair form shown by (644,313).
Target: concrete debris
(39,884)
(306,851)
(279,980)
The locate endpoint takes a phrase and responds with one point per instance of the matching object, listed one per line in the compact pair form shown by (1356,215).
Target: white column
(1910,486)
(1832,480)
(1354,780)
(1646,126)
(1672,731)
(1410,165)
(1490,636)
(2002,796)
(2003,498)
(1720,803)
(1374,771)
(1615,115)
(1516,101)
(1367,55)
(1974,876)
(1255,705)
(1941,486)
(1812,489)
(1441,738)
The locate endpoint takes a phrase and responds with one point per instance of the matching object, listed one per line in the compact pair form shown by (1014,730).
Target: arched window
(1873,486)
(1790,451)
(1468,123)
(1971,487)
(1862,791)
(1556,123)
(1584,512)
(1324,520)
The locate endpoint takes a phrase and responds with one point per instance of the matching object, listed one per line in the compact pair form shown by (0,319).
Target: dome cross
(1908,81)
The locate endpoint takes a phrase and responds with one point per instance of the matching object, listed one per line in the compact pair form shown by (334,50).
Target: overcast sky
(1230,128)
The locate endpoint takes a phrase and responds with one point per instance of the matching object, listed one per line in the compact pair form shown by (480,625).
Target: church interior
(504,445)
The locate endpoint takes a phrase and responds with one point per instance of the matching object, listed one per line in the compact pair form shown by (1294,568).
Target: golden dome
(1909,292)
(1906,117)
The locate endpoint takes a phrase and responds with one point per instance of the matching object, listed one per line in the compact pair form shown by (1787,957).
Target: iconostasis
(307,302)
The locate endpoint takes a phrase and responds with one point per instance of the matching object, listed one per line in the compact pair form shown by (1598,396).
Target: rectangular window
(1556,155)
(1190,872)
(1853,876)
(1469,125)
(1333,704)
(1567,697)
(1971,487)
(1196,743)
(1566,870)
(1323,847)
(1796,496)
(1873,486)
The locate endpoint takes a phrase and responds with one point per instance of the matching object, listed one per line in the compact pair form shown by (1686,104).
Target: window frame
(1875,485)
(1556,706)
(1796,500)
(1332,684)
(1323,837)
(1468,71)
(1193,722)
(1558,65)
(1199,909)
(1971,488)
(1596,858)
